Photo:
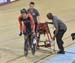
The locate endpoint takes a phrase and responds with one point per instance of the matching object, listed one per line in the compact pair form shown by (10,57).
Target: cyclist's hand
(20,34)
(33,33)
(24,33)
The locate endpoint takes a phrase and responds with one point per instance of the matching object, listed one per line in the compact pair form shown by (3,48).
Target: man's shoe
(26,53)
(61,52)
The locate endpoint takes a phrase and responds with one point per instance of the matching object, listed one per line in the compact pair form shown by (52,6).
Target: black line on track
(18,57)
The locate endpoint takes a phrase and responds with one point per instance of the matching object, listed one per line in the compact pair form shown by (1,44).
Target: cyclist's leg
(26,45)
(30,41)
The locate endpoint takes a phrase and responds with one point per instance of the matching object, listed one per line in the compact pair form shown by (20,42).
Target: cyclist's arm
(20,23)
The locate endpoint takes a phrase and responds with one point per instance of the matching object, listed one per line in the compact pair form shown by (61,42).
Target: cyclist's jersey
(26,25)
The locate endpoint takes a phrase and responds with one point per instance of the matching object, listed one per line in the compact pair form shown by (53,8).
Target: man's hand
(55,33)
(33,33)
(20,34)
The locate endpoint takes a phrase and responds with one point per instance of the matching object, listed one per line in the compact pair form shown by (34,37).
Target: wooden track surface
(11,45)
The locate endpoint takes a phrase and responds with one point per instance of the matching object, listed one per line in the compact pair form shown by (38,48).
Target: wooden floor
(11,45)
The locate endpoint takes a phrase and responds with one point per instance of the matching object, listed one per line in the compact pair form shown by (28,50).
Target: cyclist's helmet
(23,11)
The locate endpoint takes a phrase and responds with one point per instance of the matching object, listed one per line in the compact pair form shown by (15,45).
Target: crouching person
(60,29)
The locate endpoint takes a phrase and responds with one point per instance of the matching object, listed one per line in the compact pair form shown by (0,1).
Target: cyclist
(27,26)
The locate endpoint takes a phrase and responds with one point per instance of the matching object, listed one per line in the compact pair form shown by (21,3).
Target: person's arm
(56,29)
(20,23)
(32,22)
(38,16)
(49,22)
